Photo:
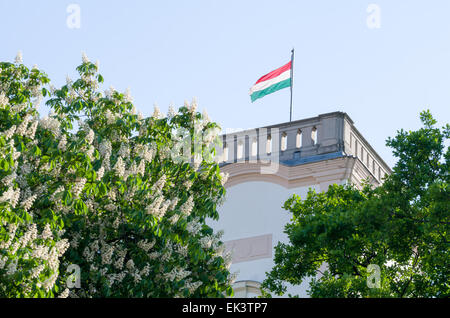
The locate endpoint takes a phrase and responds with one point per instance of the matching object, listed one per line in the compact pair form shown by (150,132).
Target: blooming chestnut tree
(124,198)
(31,243)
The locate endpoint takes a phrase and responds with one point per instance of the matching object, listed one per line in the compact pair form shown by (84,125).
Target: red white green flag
(272,82)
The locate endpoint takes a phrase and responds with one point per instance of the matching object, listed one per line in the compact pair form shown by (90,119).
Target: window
(298,141)
(314,135)
(225,153)
(269,144)
(240,150)
(283,141)
(254,147)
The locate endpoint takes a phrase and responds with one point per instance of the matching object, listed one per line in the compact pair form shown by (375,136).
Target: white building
(266,166)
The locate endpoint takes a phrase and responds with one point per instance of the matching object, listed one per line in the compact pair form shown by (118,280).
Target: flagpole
(292,80)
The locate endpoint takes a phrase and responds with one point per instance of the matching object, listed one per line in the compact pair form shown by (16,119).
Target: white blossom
(112,195)
(3,261)
(8,179)
(177,274)
(62,246)
(173,203)
(219,250)
(187,207)
(15,154)
(110,207)
(193,227)
(50,282)
(154,255)
(145,271)
(47,232)
(159,185)
(163,209)
(171,112)
(11,195)
(188,184)
(193,106)
(58,190)
(119,167)
(206,118)
(64,294)
(110,117)
(109,92)
(127,96)
(124,150)
(141,168)
(156,112)
(197,160)
(100,173)
(90,136)
(29,202)
(136,276)
(206,242)
(116,223)
(105,148)
(18,59)
(69,81)
(119,262)
(90,152)
(153,208)
(130,264)
(12,268)
(227,257)
(146,245)
(52,124)
(52,89)
(62,143)
(32,129)
(107,252)
(193,286)
(174,218)
(78,186)
(23,126)
(37,270)
(3,99)
(147,153)
(224,177)
(182,250)
(210,135)
(10,132)
(84,58)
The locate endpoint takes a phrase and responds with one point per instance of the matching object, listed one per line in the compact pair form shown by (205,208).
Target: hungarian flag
(272,82)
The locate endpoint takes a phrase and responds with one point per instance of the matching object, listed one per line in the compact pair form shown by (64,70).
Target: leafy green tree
(126,196)
(343,236)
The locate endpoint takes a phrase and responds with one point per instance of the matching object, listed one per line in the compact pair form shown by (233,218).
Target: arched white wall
(254,209)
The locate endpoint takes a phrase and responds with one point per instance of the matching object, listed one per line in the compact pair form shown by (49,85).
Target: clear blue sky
(169,51)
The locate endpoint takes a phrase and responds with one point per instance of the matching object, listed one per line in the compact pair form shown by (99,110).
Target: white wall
(253,209)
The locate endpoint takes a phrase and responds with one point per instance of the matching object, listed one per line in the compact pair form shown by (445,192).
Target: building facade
(266,166)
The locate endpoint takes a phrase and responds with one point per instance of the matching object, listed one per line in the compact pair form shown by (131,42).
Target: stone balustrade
(326,136)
